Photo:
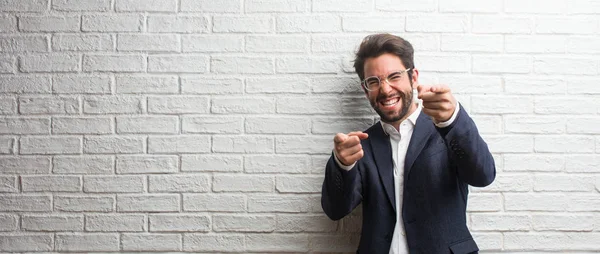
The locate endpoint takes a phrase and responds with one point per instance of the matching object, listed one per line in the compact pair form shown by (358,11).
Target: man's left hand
(438,102)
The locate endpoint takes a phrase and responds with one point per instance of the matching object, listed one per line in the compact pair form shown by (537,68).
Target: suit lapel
(423,129)
(382,153)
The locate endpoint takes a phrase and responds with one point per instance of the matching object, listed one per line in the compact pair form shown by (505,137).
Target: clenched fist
(438,102)
(348,148)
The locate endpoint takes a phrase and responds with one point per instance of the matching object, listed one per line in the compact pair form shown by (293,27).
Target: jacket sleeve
(475,164)
(342,190)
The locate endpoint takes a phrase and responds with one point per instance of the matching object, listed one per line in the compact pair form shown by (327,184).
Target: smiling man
(412,169)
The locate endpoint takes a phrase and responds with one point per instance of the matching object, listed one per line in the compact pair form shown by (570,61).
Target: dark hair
(378,44)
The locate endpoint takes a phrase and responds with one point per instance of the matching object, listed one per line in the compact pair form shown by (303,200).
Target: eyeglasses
(373,83)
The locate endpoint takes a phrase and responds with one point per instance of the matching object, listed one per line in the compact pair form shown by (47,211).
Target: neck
(411,110)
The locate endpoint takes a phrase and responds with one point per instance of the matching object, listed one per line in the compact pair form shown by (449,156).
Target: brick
(84,203)
(8,222)
(146,6)
(179,144)
(143,164)
(179,183)
(308,24)
(242,105)
(151,84)
(565,105)
(472,84)
(218,6)
(79,5)
(582,45)
(8,105)
(25,84)
(23,43)
(583,7)
(151,242)
(488,124)
(533,162)
(114,63)
(336,43)
(70,84)
(212,124)
(177,63)
(584,203)
(526,85)
(148,42)
(502,24)
(82,125)
(583,125)
(277,6)
(334,243)
(213,243)
(242,24)
(472,43)
(179,223)
(564,183)
(201,85)
(443,63)
(148,124)
(571,66)
(437,23)
(148,203)
(51,183)
(289,164)
(211,163)
(564,144)
(86,242)
(25,165)
(566,25)
(511,182)
(534,124)
(83,165)
(277,43)
(8,184)
(509,143)
(484,202)
(582,163)
(82,42)
(113,184)
(110,104)
(113,144)
(246,65)
(387,23)
(24,6)
(277,243)
(280,203)
(277,85)
(49,23)
(342,6)
(8,23)
(551,241)
(214,203)
(7,145)
(501,64)
(582,86)
(535,43)
(177,24)
(336,85)
(403,6)
(52,222)
(48,105)
(535,6)
(242,183)
(305,223)
(112,23)
(499,104)
(26,242)
(503,222)
(8,64)
(302,145)
(488,241)
(308,65)
(50,145)
(299,184)
(277,125)
(25,203)
(535,202)
(115,222)
(244,223)
(212,43)
(178,104)
(309,105)
(471,6)
(243,144)
(336,125)
(559,222)
(49,63)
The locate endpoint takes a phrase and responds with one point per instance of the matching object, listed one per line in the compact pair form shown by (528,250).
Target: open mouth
(389,102)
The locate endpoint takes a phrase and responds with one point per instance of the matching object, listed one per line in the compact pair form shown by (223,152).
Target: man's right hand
(348,148)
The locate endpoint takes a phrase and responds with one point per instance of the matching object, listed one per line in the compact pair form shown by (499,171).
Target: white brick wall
(205,125)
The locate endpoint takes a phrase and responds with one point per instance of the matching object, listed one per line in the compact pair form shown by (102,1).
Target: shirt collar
(412,118)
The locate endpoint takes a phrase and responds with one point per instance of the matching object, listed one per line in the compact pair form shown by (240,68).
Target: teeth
(390,102)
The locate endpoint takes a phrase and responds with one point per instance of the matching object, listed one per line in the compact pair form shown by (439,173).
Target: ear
(415,76)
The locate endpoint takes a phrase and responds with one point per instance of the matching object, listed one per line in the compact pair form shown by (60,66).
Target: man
(412,169)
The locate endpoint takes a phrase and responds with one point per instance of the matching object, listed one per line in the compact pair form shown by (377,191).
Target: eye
(395,76)
(372,81)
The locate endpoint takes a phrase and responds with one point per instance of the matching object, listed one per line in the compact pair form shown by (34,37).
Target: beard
(397,115)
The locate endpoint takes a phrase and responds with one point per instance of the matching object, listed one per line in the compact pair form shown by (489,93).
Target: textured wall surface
(204,125)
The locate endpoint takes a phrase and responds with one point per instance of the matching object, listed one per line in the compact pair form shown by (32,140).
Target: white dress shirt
(399,140)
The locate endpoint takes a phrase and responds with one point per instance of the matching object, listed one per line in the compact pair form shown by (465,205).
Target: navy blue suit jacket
(440,164)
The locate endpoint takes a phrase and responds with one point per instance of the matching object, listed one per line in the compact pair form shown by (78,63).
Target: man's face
(393,100)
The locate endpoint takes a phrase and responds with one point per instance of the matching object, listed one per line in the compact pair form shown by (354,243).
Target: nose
(385,86)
